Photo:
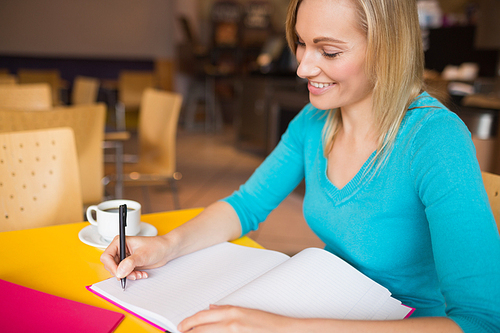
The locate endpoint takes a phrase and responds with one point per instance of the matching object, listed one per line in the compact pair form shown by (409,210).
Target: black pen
(123,223)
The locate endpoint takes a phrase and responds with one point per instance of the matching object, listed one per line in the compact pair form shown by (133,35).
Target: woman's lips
(317,88)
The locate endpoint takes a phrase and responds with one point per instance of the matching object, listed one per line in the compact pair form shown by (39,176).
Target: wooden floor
(213,168)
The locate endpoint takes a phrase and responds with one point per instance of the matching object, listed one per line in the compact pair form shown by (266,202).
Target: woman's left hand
(227,318)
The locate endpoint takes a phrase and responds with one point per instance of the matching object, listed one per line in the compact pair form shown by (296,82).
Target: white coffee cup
(107,218)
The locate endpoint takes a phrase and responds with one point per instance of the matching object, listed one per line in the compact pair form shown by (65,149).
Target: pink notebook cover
(409,313)
(27,310)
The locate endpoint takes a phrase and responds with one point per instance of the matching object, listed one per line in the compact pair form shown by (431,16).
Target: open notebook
(313,283)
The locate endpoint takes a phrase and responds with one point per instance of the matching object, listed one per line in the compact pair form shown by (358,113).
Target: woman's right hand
(215,224)
(142,253)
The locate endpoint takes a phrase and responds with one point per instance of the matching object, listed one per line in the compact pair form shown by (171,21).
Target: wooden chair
(492,186)
(25,96)
(157,133)
(165,72)
(8,79)
(88,124)
(131,86)
(39,183)
(85,90)
(49,76)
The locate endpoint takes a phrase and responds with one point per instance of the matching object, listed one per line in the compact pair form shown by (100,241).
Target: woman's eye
(300,43)
(331,55)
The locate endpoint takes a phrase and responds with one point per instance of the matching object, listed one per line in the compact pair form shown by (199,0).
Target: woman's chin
(321,105)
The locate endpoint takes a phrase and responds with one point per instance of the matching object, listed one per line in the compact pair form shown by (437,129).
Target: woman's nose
(308,64)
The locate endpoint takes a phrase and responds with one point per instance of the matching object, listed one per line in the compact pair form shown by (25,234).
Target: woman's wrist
(217,223)
(171,245)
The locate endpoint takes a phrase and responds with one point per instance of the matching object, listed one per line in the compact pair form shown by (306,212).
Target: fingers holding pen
(143,253)
(111,256)
(127,268)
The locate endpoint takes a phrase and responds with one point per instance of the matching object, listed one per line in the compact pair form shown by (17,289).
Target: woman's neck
(358,123)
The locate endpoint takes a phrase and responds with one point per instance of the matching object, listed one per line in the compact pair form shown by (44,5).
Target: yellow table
(54,260)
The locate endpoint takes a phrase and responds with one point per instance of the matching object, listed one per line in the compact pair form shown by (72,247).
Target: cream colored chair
(85,90)
(87,122)
(39,183)
(8,79)
(157,133)
(131,86)
(34,96)
(49,76)
(492,186)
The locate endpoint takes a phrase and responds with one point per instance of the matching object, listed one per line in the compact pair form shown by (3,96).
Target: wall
(131,29)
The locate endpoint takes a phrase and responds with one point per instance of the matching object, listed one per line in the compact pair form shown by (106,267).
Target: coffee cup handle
(89,214)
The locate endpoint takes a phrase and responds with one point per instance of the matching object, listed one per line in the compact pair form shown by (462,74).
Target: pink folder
(27,310)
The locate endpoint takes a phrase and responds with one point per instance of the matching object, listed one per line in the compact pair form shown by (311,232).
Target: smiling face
(331,51)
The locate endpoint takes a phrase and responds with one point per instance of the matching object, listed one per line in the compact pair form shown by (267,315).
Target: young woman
(392,182)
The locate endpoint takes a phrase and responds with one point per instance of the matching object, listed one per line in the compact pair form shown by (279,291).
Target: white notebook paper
(313,283)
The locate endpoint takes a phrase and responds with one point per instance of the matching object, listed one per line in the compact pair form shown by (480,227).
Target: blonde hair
(394,63)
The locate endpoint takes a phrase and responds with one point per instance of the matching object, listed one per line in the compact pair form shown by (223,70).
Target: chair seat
(154,164)
(146,170)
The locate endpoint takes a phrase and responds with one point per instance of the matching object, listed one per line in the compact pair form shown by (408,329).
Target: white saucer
(90,236)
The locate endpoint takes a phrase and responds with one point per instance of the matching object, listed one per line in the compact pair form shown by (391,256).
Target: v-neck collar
(340,195)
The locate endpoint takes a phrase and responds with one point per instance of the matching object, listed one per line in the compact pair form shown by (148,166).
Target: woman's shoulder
(428,112)
(428,123)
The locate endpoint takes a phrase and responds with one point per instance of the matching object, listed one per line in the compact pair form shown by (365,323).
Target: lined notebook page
(391,310)
(191,283)
(313,284)
(394,311)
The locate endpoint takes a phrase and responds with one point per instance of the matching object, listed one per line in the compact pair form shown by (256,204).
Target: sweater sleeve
(274,179)
(465,240)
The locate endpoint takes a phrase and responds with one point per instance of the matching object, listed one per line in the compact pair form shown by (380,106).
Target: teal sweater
(421,225)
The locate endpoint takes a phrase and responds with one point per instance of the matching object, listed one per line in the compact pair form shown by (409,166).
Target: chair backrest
(131,85)
(25,96)
(165,71)
(85,90)
(49,76)
(8,79)
(158,120)
(39,183)
(88,124)
(492,186)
